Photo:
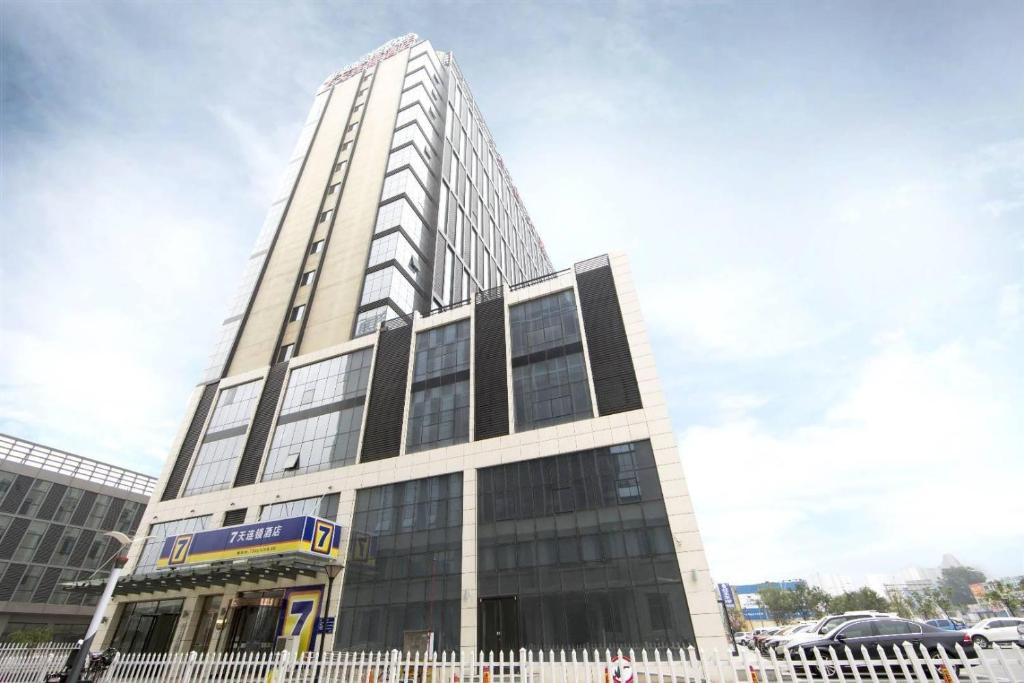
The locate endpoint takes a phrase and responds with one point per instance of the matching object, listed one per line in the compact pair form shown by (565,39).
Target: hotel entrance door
(254,624)
(498,620)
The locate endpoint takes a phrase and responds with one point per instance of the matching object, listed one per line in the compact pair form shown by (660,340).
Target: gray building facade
(54,510)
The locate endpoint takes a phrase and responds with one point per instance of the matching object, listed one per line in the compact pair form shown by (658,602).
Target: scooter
(95,665)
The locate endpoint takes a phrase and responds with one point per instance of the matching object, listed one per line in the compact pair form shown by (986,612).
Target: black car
(876,634)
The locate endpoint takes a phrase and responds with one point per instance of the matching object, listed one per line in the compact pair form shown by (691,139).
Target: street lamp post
(101,606)
(332,569)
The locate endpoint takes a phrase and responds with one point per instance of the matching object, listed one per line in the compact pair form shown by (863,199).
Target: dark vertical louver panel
(490,386)
(47,583)
(610,360)
(195,430)
(234,517)
(12,538)
(53,498)
(253,453)
(383,435)
(83,509)
(9,582)
(116,505)
(48,544)
(81,548)
(16,494)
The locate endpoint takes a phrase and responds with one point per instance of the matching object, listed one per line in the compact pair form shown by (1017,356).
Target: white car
(826,624)
(995,630)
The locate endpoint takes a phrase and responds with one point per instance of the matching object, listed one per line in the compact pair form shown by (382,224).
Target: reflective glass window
(404,564)
(589,566)
(439,400)
(548,370)
(320,417)
(150,552)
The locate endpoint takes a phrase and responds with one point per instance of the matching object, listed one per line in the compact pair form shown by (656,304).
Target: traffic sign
(622,670)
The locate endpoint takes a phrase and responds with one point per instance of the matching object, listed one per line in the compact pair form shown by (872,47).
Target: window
(352,126)
(403,567)
(297,312)
(326,215)
(99,511)
(340,165)
(439,401)
(893,627)
(30,541)
(589,567)
(548,371)
(159,532)
(321,416)
(346,145)
(307,278)
(317,247)
(325,506)
(34,498)
(217,461)
(27,585)
(285,353)
(860,629)
(331,189)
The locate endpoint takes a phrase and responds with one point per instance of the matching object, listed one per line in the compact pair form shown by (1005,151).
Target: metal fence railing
(31,663)
(679,665)
(49,459)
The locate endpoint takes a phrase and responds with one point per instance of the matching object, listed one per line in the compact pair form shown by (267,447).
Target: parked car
(780,640)
(828,623)
(995,630)
(1020,636)
(948,624)
(879,636)
(761,634)
(741,638)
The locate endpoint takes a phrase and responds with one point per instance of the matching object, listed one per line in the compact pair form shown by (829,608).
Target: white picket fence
(28,664)
(1004,665)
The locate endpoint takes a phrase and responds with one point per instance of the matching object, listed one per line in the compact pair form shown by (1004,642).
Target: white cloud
(919,458)
(733,315)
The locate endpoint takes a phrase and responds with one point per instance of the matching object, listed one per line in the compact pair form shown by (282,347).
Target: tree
(31,636)
(957,581)
(737,621)
(779,604)
(1003,592)
(858,600)
(899,604)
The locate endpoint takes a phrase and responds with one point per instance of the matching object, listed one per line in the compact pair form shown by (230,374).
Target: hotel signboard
(309,536)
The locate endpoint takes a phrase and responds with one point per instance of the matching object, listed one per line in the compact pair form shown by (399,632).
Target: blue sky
(823,203)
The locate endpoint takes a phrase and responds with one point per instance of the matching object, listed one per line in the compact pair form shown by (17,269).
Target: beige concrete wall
(258,338)
(332,313)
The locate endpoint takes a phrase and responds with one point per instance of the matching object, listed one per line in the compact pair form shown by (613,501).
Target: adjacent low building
(54,510)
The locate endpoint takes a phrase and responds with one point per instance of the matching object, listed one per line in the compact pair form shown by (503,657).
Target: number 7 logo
(323,533)
(179,550)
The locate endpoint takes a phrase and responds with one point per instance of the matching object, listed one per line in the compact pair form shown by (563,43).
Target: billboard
(306,535)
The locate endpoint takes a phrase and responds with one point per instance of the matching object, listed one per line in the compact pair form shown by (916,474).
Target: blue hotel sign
(304,535)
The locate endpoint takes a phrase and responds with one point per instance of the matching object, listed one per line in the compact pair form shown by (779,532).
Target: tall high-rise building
(407,394)
(395,200)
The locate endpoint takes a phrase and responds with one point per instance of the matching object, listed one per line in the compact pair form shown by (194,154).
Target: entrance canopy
(269,550)
(221,574)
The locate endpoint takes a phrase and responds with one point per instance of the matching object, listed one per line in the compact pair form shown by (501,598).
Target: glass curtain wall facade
(404,565)
(439,405)
(549,373)
(320,420)
(582,541)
